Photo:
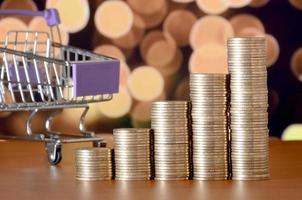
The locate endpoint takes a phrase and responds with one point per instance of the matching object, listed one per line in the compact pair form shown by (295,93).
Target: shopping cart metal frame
(34,81)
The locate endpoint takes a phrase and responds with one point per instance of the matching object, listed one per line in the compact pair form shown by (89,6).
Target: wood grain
(25,174)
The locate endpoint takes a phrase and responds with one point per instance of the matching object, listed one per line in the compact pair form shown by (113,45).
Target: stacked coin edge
(93,163)
(209,97)
(171,123)
(248,108)
(133,154)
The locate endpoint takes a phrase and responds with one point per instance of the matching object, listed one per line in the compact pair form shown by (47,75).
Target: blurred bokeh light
(159,42)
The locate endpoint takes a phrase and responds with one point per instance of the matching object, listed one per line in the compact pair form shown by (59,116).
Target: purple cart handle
(50,15)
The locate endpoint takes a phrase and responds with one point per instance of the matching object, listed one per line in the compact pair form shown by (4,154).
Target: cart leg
(54,154)
(49,122)
(82,125)
(29,122)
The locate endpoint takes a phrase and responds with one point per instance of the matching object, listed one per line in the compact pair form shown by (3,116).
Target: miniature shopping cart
(38,74)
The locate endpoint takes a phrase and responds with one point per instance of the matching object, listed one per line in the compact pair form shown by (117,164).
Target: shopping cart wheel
(54,160)
(54,153)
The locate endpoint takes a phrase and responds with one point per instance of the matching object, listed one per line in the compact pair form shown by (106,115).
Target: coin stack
(133,153)
(171,123)
(248,108)
(208,93)
(93,163)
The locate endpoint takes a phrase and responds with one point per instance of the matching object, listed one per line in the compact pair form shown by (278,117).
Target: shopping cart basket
(37,74)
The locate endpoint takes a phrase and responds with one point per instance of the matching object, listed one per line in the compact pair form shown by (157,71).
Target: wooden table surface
(26,174)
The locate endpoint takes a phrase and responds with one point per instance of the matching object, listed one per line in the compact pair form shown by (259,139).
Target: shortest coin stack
(133,154)
(93,163)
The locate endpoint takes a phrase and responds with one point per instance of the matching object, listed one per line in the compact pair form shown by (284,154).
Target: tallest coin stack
(248,108)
